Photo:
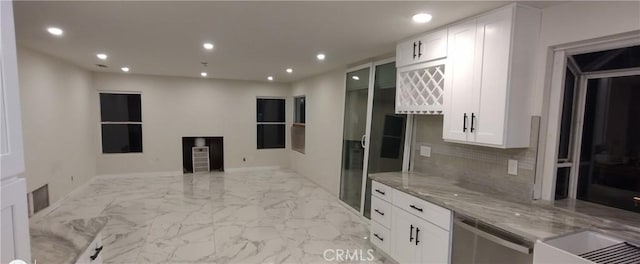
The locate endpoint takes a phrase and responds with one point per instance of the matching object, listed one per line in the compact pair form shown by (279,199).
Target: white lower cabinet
(408,237)
(417,240)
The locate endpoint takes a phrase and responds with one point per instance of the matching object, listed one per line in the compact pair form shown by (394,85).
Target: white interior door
(14,234)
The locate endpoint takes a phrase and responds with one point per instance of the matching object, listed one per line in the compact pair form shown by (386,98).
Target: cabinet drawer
(423,209)
(381,211)
(381,191)
(380,237)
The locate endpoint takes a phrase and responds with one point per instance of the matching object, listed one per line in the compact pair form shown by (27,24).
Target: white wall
(325,109)
(175,107)
(57,118)
(579,21)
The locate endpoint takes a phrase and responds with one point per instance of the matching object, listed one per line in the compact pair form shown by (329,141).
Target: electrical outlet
(513,167)
(425,151)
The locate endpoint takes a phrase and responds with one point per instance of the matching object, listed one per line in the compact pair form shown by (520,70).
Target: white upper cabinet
(427,47)
(489,72)
(421,68)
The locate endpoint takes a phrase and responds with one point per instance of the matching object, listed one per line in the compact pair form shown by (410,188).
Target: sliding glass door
(373,136)
(354,136)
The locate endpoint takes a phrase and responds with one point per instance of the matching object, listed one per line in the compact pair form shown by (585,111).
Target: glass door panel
(353,137)
(609,171)
(386,143)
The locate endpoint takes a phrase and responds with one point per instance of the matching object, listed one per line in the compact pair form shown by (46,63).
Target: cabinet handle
(411,234)
(416,208)
(417,234)
(473,116)
(377,236)
(414,50)
(381,213)
(380,192)
(419,49)
(95,256)
(464,123)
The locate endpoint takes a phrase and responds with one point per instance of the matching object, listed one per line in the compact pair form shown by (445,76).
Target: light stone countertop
(532,220)
(63,241)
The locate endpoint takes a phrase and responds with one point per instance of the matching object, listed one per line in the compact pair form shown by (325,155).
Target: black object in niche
(216,153)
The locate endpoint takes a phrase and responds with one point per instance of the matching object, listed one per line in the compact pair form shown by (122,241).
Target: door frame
(545,180)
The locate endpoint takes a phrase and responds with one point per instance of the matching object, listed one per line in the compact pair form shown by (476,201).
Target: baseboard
(142,174)
(241,169)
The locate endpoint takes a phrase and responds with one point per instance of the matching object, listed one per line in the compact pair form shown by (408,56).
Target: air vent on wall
(40,198)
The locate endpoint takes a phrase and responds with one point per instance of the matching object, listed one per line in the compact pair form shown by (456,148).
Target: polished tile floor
(271,216)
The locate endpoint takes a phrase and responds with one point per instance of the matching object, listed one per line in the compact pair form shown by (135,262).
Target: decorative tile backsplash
(481,166)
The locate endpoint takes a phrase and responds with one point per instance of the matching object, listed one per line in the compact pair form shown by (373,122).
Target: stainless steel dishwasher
(475,242)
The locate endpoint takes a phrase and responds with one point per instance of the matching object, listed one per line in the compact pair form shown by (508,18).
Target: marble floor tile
(270,216)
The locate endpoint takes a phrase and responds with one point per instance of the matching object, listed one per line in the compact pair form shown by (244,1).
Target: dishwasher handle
(494,238)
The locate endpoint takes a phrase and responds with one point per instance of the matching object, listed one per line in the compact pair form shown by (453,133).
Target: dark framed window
(298,127)
(299,110)
(270,117)
(121,122)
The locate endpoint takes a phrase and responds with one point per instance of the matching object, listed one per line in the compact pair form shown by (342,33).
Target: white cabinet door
(432,46)
(404,226)
(416,240)
(459,81)
(427,47)
(493,42)
(406,53)
(11,151)
(434,243)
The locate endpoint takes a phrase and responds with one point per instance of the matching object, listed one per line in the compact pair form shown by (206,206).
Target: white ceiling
(252,39)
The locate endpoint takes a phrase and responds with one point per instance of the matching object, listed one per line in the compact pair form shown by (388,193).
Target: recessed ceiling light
(355,77)
(270,78)
(125,69)
(320,56)
(289,70)
(203,74)
(55,31)
(101,56)
(208,46)
(421,18)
